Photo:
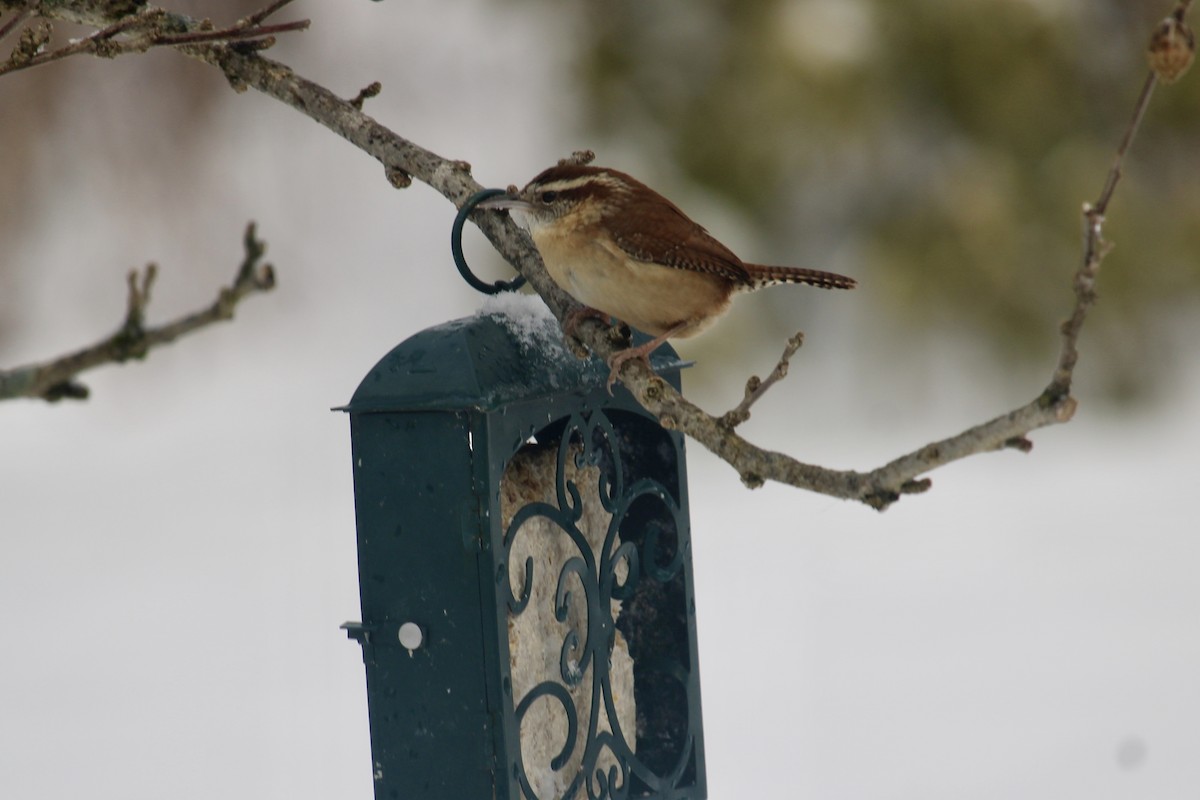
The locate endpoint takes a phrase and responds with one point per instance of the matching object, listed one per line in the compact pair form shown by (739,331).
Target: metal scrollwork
(592,575)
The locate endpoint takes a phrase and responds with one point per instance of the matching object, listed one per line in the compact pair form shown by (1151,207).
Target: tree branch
(57,379)
(138,32)
(756,387)
(23,13)
(403,160)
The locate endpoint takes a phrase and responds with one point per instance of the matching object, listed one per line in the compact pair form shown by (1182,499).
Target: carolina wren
(625,251)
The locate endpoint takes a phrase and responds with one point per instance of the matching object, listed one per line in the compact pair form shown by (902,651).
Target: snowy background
(176,553)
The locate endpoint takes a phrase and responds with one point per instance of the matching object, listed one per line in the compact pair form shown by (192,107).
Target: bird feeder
(528,613)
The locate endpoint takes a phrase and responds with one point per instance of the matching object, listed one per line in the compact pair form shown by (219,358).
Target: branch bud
(1172,48)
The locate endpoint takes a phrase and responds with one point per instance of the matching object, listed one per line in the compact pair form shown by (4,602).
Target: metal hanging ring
(456,248)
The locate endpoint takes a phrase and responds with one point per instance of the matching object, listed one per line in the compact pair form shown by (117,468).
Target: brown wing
(656,230)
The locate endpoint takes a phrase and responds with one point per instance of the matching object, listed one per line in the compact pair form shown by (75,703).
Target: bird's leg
(570,325)
(641,353)
(576,316)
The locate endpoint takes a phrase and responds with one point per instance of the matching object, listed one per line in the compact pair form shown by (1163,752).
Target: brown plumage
(762,276)
(623,249)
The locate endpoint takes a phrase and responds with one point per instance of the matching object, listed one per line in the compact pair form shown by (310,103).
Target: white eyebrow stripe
(566,184)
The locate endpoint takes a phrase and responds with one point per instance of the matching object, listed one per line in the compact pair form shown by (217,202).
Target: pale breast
(650,297)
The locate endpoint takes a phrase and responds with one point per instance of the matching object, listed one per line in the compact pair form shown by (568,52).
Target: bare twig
(364,94)
(98,42)
(578,157)
(233,34)
(18,19)
(756,387)
(878,488)
(139,298)
(152,27)
(257,17)
(1095,248)
(1114,172)
(57,379)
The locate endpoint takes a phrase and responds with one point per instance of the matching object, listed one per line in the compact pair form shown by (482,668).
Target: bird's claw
(618,360)
(576,316)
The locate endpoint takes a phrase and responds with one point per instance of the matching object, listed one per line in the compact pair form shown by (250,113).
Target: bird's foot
(576,316)
(640,353)
(618,332)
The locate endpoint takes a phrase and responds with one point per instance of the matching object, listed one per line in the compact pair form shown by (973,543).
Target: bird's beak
(506,202)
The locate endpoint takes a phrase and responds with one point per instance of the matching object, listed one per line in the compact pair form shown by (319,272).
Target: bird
(625,251)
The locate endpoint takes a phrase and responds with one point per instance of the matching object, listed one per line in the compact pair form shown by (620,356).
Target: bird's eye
(549,197)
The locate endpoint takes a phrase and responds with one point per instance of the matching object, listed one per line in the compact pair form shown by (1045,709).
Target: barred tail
(761,275)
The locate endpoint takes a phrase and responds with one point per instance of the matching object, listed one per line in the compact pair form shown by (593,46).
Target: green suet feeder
(528,616)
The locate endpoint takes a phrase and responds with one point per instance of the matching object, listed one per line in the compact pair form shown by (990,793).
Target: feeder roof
(485,362)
